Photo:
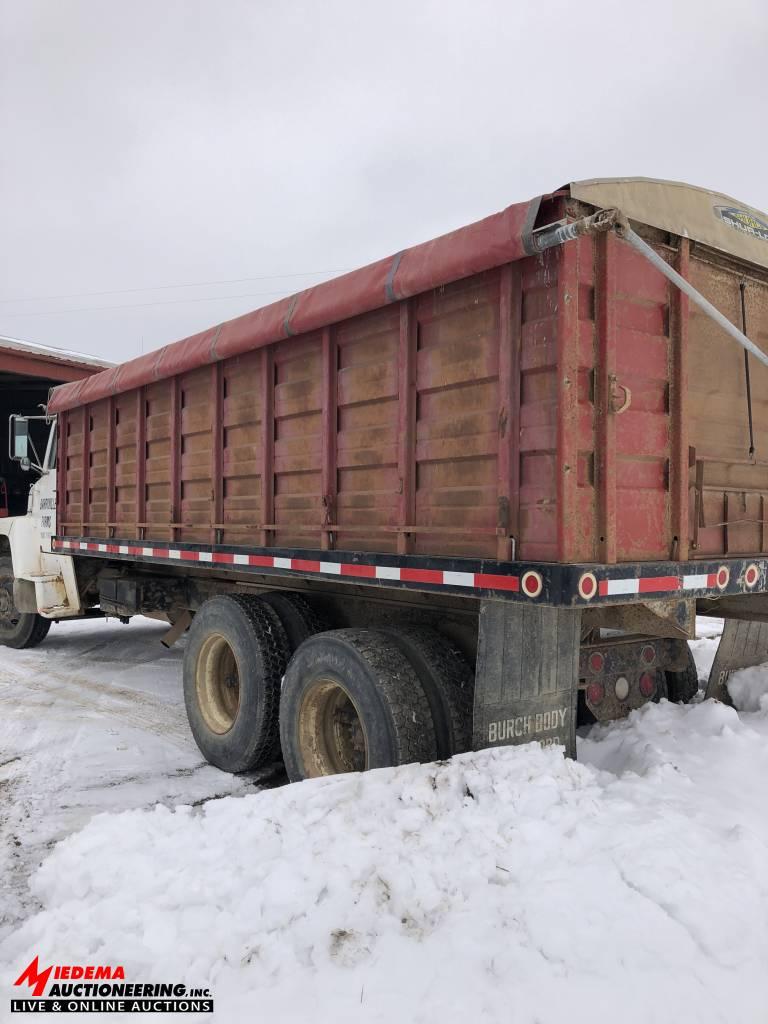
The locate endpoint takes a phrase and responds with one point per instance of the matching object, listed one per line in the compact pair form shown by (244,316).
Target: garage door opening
(27,374)
(26,396)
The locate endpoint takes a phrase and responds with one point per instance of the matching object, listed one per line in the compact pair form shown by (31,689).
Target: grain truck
(472,494)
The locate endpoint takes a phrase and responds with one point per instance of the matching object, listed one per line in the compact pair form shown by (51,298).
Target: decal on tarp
(743,220)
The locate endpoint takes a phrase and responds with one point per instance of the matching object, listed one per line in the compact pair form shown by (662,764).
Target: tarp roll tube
(623,230)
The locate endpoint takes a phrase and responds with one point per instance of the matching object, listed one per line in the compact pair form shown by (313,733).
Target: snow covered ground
(92,720)
(509,885)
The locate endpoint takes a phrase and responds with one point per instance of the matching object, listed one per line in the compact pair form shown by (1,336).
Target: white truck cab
(35,582)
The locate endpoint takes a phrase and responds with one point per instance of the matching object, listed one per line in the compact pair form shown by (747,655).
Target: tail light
(647,684)
(648,654)
(596,662)
(595,693)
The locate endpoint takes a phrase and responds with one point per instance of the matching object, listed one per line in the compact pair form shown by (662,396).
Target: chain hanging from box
(743,291)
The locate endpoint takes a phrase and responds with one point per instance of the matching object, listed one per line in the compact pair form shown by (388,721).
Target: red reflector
(648,654)
(647,684)
(532,583)
(595,693)
(596,662)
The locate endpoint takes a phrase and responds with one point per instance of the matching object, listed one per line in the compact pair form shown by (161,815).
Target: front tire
(19,630)
(351,701)
(233,664)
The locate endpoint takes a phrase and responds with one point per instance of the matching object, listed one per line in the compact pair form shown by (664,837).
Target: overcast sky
(244,149)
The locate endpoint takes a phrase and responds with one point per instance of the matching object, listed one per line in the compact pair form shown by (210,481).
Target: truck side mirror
(18,440)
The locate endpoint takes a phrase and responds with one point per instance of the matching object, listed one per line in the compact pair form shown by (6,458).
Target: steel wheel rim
(217,683)
(332,736)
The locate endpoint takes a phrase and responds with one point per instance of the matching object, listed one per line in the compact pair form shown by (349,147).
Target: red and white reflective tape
(530,583)
(657,584)
(400,574)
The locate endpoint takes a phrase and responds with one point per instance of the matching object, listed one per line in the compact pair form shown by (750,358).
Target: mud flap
(527,675)
(742,645)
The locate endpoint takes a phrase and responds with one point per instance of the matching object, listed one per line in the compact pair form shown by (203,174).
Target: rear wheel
(351,701)
(233,664)
(20,630)
(683,686)
(299,622)
(298,619)
(448,683)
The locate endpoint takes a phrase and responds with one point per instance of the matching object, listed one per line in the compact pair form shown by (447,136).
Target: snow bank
(507,885)
(748,688)
(704,648)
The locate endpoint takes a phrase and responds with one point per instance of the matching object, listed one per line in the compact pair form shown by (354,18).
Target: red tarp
(488,243)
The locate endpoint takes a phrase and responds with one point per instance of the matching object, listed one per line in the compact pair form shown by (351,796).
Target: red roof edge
(491,242)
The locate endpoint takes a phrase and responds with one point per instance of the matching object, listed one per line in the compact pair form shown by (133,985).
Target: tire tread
(451,681)
(683,686)
(300,612)
(32,628)
(272,642)
(396,683)
(402,691)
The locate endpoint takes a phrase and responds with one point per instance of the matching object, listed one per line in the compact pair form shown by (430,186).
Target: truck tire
(351,701)
(448,683)
(19,630)
(234,662)
(683,686)
(298,619)
(299,622)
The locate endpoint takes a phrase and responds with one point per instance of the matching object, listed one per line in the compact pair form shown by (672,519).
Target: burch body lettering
(526,725)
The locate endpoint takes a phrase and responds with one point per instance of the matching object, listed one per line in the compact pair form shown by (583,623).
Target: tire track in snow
(133,708)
